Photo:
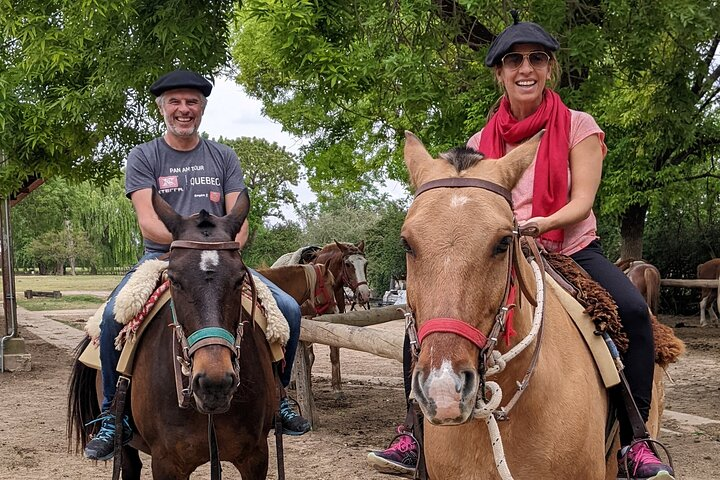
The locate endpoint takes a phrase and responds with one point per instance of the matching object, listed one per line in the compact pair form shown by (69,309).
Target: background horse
(230,374)
(646,278)
(348,264)
(312,286)
(709,270)
(463,257)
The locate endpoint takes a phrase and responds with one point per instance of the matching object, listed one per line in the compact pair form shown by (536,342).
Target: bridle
(502,322)
(345,279)
(206,336)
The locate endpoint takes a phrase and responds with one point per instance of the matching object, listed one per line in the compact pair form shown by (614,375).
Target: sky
(231,113)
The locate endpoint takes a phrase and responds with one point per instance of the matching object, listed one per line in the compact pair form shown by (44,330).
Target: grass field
(89,283)
(101,284)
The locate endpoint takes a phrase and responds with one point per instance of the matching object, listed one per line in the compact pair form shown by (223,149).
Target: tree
(270,243)
(61,248)
(104,215)
(74,79)
(269,170)
(352,76)
(384,251)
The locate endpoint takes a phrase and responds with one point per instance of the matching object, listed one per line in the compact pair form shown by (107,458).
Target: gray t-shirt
(189,181)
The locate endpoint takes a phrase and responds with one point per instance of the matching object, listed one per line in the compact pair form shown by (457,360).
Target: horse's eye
(174,283)
(503,245)
(406,246)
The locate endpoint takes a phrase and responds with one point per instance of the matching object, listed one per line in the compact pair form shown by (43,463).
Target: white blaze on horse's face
(458,200)
(358,262)
(209,259)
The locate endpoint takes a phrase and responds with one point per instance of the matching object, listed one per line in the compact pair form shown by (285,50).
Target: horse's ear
(169,217)
(418,160)
(361,245)
(342,247)
(239,213)
(507,170)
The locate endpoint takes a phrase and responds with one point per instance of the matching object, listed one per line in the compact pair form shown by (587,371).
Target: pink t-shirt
(579,235)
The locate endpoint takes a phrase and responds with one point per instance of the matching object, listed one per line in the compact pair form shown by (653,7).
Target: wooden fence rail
(690,283)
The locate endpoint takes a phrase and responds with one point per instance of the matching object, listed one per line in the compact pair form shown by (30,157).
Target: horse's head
(458,242)
(354,269)
(206,274)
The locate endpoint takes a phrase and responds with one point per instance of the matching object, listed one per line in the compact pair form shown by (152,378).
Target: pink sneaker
(400,457)
(640,463)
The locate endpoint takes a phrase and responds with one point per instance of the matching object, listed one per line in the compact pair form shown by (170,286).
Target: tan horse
(462,240)
(646,278)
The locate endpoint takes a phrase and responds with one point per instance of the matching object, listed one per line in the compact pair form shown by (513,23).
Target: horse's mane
(462,158)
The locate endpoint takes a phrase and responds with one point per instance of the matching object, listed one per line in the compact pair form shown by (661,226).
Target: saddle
(146,293)
(594,312)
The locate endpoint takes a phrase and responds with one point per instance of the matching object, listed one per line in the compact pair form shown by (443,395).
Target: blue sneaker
(102,445)
(292,423)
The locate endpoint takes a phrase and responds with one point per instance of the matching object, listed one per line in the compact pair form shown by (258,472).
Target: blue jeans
(291,311)
(109,329)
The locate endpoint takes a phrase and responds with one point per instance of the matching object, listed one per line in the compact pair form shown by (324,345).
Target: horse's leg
(255,466)
(336,378)
(131,464)
(703,304)
(164,468)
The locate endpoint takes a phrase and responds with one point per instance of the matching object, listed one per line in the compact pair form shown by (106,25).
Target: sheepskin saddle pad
(147,291)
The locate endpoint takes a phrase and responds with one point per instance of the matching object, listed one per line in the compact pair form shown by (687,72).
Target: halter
(207,335)
(502,324)
(320,291)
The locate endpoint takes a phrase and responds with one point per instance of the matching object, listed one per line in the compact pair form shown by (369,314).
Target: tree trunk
(632,226)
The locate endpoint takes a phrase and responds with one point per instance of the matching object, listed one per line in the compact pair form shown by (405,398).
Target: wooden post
(303,384)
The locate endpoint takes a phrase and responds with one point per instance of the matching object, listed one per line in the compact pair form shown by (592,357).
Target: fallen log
(377,342)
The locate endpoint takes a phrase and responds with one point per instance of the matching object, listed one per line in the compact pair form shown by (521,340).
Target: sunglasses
(514,60)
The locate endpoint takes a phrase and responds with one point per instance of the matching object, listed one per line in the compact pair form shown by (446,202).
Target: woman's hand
(535,226)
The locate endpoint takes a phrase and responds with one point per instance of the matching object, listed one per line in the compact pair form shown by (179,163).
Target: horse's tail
(82,404)
(652,289)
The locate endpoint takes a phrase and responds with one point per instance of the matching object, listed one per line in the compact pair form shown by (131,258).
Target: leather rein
(485,343)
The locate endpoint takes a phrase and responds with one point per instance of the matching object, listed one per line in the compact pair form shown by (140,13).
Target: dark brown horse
(230,373)
(310,285)
(348,264)
(709,270)
(646,278)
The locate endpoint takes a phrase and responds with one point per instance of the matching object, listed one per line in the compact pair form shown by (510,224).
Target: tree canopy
(352,76)
(74,78)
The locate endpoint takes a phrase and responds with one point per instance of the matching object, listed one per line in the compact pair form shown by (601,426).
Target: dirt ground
(32,416)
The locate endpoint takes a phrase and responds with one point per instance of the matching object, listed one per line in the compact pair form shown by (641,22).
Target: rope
(487,410)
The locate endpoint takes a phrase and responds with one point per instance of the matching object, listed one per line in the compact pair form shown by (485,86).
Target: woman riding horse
(555,196)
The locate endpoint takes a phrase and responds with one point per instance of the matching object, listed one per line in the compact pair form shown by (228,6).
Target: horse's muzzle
(446,397)
(213,394)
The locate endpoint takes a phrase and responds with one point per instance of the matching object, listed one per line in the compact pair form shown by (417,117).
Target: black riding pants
(639,359)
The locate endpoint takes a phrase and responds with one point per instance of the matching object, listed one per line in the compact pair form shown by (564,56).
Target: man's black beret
(518,32)
(181,79)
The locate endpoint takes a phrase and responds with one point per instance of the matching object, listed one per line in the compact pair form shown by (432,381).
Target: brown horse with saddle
(202,387)
(530,405)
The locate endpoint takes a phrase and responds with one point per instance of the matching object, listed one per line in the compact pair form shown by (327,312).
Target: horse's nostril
(469,384)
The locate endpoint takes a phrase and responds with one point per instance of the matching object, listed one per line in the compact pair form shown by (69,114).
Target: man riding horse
(191,174)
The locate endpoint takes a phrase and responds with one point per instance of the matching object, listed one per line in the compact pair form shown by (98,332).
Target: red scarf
(550,187)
